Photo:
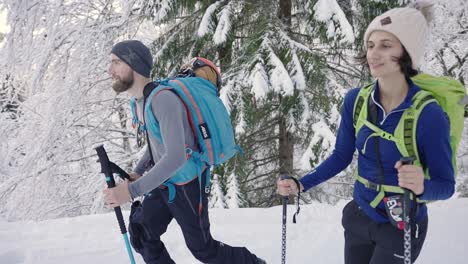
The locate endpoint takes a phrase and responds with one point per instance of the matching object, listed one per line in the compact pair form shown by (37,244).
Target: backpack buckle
(372,186)
(207,189)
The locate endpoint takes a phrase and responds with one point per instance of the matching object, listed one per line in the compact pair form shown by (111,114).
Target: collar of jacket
(413,89)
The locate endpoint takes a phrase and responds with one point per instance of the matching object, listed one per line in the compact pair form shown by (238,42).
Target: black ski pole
(283,233)
(406,217)
(107,170)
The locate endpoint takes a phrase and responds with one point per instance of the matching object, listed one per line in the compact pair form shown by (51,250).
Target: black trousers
(149,220)
(368,242)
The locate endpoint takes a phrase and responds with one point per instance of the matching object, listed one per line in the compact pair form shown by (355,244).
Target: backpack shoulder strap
(406,128)
(360,107)
(151,123)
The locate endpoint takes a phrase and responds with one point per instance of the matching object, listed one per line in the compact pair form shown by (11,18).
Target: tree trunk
(123,124)
(286,148)
(286,141)
(284,12)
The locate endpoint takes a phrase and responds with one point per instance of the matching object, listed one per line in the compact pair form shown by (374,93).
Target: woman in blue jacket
(394,43)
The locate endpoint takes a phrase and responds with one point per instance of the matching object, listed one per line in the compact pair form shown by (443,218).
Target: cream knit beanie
(408,24)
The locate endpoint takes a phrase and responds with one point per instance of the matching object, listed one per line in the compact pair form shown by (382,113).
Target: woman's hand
(410,177)
(287,187)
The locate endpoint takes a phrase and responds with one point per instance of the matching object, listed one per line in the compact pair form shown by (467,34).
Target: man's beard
(123,84)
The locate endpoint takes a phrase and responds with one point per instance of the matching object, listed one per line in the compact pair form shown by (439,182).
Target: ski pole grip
(105,166)
(115,168)
(406,194)
(407,160)
(285,177)
(296,181)
(106,169)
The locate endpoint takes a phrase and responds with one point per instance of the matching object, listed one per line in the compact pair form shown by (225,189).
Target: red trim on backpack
(200,117)
(189,114)
(168,88)
(190,120)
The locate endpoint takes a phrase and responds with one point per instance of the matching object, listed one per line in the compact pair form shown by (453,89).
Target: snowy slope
(317,238)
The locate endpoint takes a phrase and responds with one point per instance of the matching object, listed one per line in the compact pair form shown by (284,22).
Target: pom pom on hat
(425,7)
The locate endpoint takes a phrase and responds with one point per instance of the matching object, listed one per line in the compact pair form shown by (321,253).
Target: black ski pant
(149,220)
(368,242)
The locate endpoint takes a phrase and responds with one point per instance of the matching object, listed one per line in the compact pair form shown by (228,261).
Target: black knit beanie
(136,55)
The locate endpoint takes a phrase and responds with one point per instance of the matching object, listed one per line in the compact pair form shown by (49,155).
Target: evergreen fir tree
(286,66)
(233,199)
(216,199)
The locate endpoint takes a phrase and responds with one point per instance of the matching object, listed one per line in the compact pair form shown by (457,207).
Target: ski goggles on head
(195,63)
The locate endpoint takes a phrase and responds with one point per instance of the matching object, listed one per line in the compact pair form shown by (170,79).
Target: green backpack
(447,92)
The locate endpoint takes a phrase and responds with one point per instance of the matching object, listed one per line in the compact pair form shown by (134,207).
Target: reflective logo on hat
(385,21)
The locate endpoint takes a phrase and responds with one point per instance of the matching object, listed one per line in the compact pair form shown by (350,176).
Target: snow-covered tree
(286,66)
(280,62)
(57,105)
(233,197)
(448,55)
(216,199)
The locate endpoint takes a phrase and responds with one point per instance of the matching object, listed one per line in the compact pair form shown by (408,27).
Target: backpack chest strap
(381,189)
(378,132)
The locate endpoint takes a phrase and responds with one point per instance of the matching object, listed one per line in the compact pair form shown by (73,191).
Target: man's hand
(287,187)
(134,176)
(410,177)
(117,195)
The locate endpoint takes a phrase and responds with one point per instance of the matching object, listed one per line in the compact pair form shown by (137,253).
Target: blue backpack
(210,123)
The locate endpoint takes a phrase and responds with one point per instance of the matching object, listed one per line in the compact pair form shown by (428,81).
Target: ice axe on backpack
(285,200)
(108,168)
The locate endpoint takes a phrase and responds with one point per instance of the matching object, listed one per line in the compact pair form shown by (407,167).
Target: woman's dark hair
(404,61)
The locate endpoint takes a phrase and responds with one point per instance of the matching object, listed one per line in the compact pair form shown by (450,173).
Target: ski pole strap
(116,169)
(298,208)
(106,169)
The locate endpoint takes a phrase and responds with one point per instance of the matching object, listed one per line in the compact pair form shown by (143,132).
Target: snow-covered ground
(317,238)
